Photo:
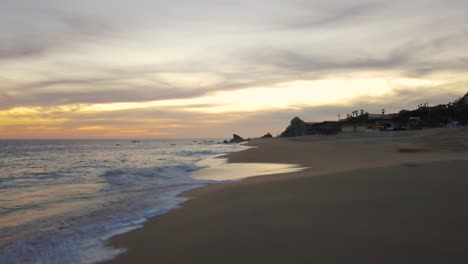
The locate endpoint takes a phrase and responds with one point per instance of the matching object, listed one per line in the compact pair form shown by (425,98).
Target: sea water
(60,200)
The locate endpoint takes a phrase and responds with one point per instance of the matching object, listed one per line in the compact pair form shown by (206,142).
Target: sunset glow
(173,71)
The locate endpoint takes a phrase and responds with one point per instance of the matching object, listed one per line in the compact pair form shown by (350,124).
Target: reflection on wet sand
(219,170)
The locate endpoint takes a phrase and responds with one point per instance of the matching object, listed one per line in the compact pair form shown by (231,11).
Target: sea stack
(235,139)
(297,128)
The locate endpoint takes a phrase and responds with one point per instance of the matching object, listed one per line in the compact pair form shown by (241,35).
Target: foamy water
(61,200)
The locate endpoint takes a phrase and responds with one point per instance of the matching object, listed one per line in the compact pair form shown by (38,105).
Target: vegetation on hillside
(428,116)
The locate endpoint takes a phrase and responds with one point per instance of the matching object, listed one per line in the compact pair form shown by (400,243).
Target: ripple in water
(61,200)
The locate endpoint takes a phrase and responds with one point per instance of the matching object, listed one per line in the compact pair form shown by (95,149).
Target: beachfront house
(384,122)
(376,117)
(414,122)
(298,127)
(453,123)
(354,128)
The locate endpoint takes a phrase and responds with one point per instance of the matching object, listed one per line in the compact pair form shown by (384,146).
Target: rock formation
(235,139)
(268,135)
(464,100)
(297,128)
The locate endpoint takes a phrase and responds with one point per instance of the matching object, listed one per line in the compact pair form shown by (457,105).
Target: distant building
(298,127)
(414,122)
(354,128)
(453,123)
(382,117)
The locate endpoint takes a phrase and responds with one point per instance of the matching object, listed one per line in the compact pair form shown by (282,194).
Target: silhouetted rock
(236,139)
(297,122)
(268,135)
(297,128)
(464,100)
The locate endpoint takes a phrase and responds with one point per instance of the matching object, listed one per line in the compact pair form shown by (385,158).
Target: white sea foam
(62,200)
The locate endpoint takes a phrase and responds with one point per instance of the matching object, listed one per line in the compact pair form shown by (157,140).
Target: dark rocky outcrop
(296,128)
(464,99)
(235,139)
(268,135)
(300,128)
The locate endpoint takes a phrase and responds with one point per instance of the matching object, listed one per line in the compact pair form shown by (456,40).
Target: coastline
(66,214)
(362,198)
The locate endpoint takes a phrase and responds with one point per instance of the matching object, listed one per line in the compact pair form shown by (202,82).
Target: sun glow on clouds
(117,130)
(191,68)
(90,120)
(28,116)
(93,128)
(281,96)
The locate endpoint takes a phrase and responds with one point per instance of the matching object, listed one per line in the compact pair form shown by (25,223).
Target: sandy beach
(394,197)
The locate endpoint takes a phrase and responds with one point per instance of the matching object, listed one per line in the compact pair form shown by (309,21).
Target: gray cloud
(34,30)
(335,15)
(415,58)
(243,43)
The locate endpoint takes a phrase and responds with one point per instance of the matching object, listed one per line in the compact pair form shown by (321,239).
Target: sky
(211,68)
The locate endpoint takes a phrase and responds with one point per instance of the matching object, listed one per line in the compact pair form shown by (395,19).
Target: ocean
(61,200)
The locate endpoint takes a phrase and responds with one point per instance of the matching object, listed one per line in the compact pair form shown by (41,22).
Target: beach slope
(365,198)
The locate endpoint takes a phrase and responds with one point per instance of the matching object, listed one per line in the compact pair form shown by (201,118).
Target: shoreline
(280,199)
(130,194)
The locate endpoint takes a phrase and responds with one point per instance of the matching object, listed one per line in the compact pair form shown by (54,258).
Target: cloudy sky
(209,68)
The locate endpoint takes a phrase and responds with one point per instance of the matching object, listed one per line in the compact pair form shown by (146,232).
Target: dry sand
(366,198)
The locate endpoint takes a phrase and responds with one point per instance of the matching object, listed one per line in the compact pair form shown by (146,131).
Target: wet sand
(365,198)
